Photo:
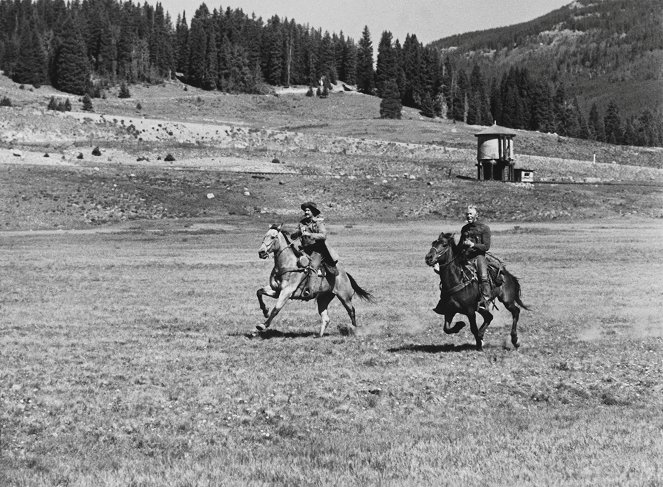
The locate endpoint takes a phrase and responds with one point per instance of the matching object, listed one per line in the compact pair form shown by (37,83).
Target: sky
(429,20)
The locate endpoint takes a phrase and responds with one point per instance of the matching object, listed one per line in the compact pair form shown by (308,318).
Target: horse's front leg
(448,329)
(283,298)
(478,335)
(266,291)
(487,318)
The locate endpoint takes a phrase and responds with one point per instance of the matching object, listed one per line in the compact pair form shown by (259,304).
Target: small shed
(495,154)
(524,175)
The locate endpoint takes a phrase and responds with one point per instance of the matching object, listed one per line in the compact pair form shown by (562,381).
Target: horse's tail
(516,285)
(362,293)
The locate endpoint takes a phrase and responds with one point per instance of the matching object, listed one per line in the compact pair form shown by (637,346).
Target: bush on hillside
(124,91)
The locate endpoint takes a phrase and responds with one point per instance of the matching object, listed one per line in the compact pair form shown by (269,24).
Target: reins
(290,244)
(462,284)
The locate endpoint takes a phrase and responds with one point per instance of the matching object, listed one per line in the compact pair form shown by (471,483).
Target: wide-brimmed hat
(311,206)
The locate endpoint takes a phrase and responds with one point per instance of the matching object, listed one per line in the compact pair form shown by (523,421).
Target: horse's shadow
(269,334)
(446,348)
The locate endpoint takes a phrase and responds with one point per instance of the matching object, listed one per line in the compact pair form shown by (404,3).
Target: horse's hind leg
(515,313)
(349,307)
(323,303)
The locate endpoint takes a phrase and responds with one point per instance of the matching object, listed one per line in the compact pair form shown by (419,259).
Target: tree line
(83,47)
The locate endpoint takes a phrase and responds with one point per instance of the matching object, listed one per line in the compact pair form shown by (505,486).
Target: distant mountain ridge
(601,50)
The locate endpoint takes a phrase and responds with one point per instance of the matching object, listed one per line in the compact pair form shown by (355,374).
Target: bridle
(289,244)
(440,253)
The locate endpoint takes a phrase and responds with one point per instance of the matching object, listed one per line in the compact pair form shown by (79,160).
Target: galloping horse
(460,294)
(287,280)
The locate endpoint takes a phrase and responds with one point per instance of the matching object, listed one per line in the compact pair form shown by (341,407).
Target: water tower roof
(496,130)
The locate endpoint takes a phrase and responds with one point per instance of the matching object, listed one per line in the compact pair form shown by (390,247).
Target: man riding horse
(475,241)
(314,236)
(475,238)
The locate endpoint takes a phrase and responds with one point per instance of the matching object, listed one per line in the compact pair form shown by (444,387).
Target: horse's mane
(449,237)
(279,228)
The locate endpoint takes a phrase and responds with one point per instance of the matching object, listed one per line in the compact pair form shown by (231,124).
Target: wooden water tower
(495,154)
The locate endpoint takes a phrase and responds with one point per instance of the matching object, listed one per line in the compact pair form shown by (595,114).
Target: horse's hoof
(261,327)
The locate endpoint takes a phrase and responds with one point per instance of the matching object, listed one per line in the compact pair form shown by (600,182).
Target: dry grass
(127,359)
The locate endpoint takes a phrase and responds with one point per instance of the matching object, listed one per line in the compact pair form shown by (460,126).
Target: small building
(495,154)
(524,175)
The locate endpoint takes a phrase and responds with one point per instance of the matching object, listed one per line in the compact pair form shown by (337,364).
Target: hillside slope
(602,51)
(239,156)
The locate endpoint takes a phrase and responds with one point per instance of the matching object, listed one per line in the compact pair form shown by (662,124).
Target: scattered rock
(79,156)
(46,155)
(17,153)
(96,151)
(276,161)
(169,158)
(210,196)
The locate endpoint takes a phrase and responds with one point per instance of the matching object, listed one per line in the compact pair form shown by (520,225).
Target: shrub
(87,103)
(59,105)
(124,91)
(169,158)
(139,106)
(5,102)
(310,91)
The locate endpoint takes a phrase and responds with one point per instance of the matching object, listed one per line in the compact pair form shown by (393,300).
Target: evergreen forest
(84,47)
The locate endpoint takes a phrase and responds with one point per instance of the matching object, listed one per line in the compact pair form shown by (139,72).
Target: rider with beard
(314,236)
(475,239)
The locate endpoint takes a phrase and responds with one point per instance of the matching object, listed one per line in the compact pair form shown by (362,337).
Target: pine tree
(72,70)
(390,106)
(613,124)
(459,96)
(87,103)
(365,73)
(596,127)
(181,44)
(386,63)
(31,63)
(124,91)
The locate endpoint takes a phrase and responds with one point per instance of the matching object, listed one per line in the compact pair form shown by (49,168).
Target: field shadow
(269,334)
(446,348)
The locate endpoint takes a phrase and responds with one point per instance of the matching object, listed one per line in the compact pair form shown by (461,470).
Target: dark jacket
(317,240)
(479,233)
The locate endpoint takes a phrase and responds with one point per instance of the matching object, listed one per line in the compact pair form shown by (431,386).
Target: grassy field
(127,358)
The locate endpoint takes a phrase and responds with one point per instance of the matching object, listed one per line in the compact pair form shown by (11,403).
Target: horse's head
(440,248)
(270,242)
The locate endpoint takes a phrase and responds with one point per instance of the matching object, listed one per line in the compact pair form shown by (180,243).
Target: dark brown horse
(460,292)
(288,281)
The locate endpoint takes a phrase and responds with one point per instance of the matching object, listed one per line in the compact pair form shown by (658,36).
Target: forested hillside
(587,70)
(606,57)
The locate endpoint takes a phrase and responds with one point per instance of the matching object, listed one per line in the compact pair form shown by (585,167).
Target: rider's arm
(485,245)
(321,234)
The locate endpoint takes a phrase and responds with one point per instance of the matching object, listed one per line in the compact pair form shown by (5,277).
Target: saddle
(315,275)
(495,274)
